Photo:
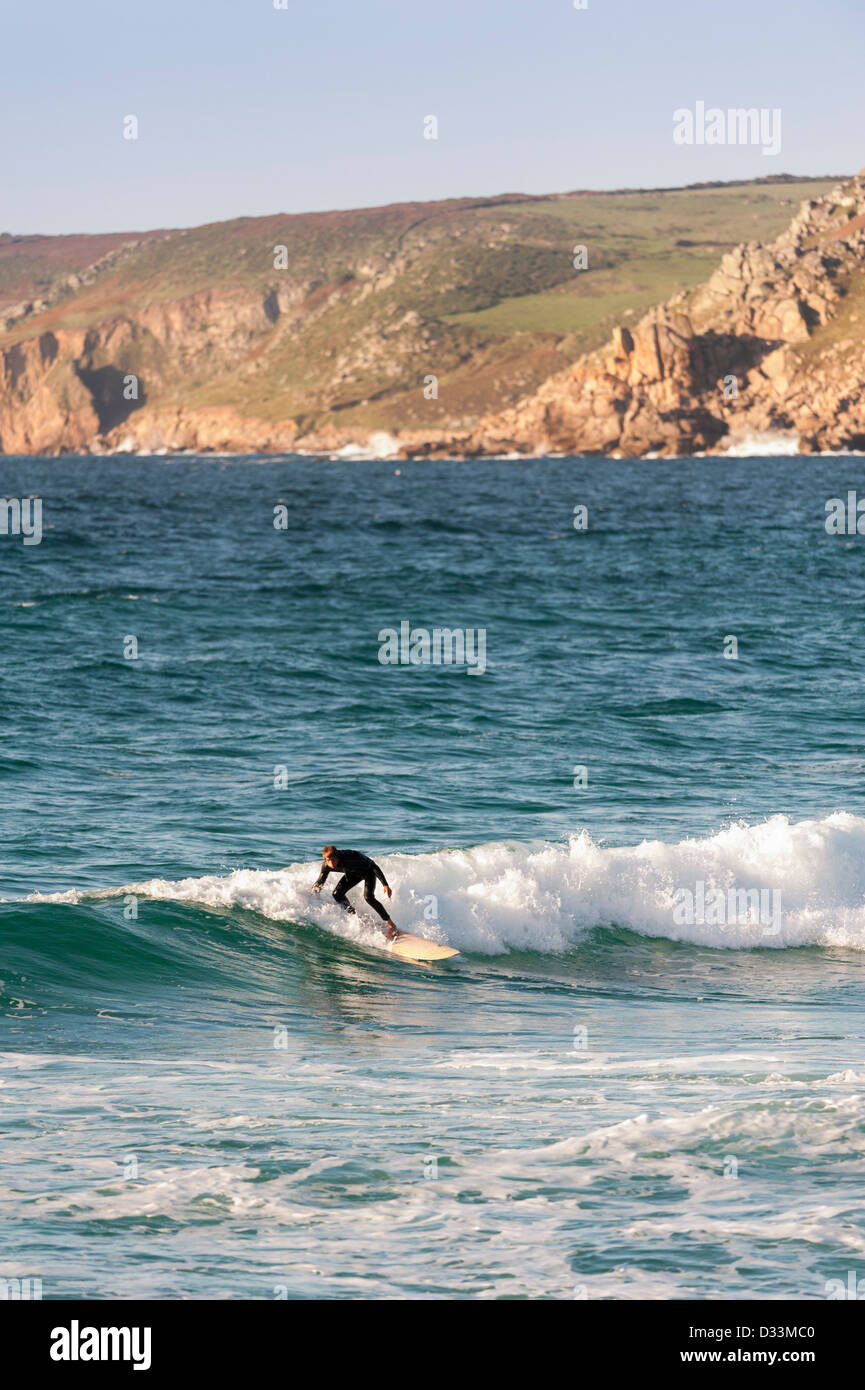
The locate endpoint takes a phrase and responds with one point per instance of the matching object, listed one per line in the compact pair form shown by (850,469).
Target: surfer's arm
(316,887)
(381,878)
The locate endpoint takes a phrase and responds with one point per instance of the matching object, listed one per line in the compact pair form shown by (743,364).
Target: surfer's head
(328,854)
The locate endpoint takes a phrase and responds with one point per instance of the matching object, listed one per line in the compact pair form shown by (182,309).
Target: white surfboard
(418,948)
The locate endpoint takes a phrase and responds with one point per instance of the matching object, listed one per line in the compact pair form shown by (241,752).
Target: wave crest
(509,896)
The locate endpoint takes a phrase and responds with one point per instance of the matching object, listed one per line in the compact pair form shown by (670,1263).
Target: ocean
(636,811)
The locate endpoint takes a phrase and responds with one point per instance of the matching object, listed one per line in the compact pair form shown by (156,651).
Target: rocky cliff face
(76,391)
(774,342)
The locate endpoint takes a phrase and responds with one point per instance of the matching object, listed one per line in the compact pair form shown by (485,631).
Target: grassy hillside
(33,267)
(482,293)
(642,248)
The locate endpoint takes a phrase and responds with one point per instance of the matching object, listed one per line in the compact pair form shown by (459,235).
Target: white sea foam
(771,444)
(507,896)
(379,446)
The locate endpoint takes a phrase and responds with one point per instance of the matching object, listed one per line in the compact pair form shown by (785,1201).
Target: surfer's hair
(328,851)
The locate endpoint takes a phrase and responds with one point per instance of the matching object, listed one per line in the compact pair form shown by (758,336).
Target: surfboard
(418,948)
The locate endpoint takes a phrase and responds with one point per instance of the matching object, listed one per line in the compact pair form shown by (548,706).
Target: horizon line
(7,237)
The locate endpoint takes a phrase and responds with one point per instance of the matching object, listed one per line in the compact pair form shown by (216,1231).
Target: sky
(245,109)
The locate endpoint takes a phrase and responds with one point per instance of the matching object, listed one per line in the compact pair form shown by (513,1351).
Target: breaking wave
(544,897)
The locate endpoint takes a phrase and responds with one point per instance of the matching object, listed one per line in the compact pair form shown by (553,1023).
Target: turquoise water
(214,1085)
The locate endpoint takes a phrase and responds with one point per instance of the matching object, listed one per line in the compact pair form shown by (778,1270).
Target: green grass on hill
(481,292)
(635,254)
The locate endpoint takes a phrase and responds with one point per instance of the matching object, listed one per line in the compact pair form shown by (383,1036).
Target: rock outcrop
(751,352)
(80,391)
(772,343)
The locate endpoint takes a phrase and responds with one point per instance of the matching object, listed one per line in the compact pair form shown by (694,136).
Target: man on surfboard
(355,867)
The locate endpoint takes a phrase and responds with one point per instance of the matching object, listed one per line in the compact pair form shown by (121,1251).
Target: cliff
(773,343)
(319,330)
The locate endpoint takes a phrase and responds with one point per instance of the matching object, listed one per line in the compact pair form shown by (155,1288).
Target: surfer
(355,867)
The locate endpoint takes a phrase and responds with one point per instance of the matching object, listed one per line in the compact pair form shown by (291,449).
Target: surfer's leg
(370,897)
(347,881)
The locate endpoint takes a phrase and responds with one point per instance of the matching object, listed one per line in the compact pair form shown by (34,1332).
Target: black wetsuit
(355,867)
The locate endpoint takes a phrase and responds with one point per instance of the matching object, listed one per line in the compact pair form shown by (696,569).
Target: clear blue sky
(245,109)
